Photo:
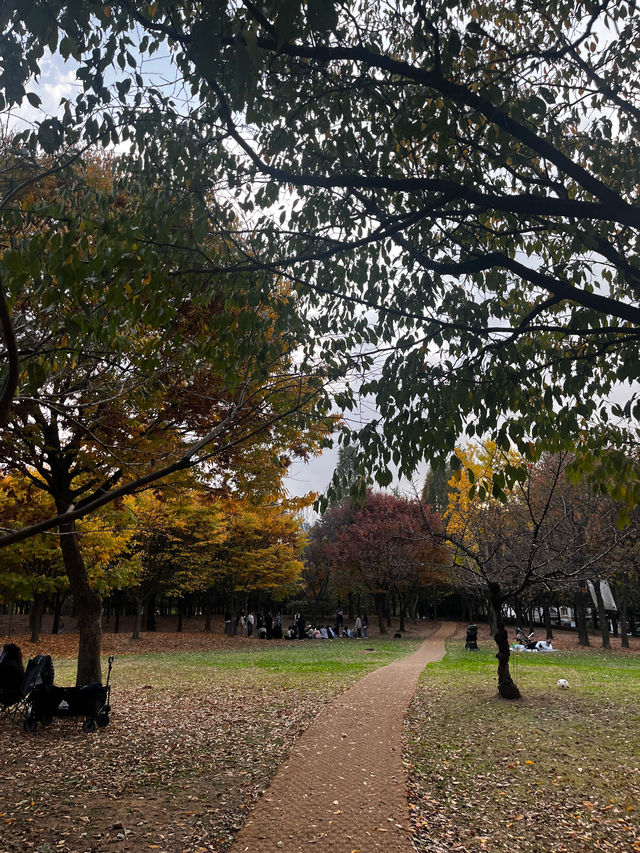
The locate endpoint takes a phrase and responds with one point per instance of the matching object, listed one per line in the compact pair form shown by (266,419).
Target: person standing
(358,627)
(339,621)
(250,620)
(268,621)
(11,673)
(301,627)
(227,622)
(365,624)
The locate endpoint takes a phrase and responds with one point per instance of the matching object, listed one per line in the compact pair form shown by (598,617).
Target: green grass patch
(338,660)
(557,770)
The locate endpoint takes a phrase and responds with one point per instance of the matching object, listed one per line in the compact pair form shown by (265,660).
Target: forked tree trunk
(507,687)
(88,604)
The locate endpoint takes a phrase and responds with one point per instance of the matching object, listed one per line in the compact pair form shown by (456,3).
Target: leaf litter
(178,768)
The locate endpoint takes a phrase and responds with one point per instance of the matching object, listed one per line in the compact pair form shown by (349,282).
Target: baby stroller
(525,640)
(90,702)
(471,644)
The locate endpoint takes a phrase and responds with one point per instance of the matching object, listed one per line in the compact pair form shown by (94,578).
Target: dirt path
(343,786)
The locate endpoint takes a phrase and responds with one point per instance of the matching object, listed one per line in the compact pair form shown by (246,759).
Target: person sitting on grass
(11,673)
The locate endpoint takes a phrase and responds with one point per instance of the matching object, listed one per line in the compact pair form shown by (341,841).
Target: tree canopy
(450,187)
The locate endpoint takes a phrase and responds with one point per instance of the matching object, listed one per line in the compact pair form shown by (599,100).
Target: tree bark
(507,687)
(180,613)
(89,607)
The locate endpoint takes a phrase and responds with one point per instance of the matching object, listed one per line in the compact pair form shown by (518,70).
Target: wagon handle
(109,671)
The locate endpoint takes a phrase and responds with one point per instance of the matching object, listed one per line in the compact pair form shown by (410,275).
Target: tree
(545,534)
(382,546)
(175,532)
(459,191)
(261,550)
(33,570)
(113,400)
(435,492)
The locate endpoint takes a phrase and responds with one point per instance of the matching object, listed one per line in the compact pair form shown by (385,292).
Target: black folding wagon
(91,702)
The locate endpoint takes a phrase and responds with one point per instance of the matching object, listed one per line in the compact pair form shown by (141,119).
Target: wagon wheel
(30,724)
(46,720)
(103,719)
(89,725)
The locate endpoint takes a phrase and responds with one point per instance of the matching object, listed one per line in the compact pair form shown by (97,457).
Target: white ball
(562,682)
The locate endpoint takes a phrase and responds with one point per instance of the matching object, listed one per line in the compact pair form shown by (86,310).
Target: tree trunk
(379,599)
(57,612)
(401,605)
(137,625)
(35,616)
(117,606)
(624,636)
(180,615)
(151,613)
(579,602)
(602,616)
(413,611)
(519,611)
(207,613)
(546,615)
(491,616)
(506,685)
(88,604)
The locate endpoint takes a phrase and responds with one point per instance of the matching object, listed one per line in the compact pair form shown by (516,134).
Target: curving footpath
(343,786)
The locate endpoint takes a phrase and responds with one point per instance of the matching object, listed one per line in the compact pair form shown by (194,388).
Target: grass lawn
(555,772)
(194,740)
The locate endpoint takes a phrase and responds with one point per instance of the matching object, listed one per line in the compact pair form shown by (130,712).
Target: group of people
(301,631)
(266,627)
(269,627)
